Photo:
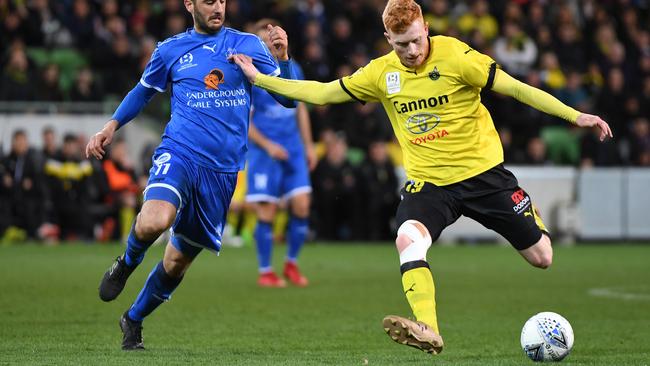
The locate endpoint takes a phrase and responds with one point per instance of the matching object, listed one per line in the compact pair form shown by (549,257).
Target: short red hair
(400,14)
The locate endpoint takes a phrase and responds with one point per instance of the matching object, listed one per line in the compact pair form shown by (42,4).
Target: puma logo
(526,213)
(410,289)
(206,47)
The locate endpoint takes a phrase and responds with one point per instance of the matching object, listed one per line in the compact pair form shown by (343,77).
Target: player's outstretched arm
(545,102)
(131,105)
(308,91)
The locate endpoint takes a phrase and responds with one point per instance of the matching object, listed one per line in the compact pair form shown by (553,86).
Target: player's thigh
(509,212)
(300,204)
(263,177)
(432,206)
(539,254)
(265,211)
(201,220)
(168,189)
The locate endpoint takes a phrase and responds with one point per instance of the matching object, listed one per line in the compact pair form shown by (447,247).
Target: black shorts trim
(413,265)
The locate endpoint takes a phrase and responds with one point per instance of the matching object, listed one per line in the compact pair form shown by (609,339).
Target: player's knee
(266,211)
(543,256)
(151,226)
(413,241)
(300,206)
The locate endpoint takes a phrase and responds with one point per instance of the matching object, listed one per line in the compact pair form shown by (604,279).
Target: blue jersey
(275,121)
(211,97)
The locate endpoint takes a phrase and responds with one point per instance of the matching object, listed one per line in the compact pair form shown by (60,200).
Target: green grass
(50,312)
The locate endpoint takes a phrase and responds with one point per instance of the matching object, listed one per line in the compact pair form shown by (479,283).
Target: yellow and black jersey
(445,132)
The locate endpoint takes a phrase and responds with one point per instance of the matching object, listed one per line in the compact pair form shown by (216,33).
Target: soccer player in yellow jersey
(430,88)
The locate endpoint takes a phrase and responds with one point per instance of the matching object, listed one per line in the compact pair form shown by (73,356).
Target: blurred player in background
(203,147)
(279,161)
(430,88)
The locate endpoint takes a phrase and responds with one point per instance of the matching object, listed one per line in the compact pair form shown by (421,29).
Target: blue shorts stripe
(165,192)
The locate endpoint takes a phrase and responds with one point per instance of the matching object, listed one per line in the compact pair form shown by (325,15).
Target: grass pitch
(50,312)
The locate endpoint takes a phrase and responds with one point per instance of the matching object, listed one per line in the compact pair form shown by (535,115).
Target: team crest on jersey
(213,79)
(435,74)
(393,84)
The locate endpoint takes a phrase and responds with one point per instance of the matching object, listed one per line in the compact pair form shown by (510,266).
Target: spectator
(23,176)
(594,153)
(81,23)
(515,51)
(85,87)
(380,193)
(48,88)
(479,19)
(68,179)
(17,82)
(640,142)
(123,186)
(536,152)
(336,193)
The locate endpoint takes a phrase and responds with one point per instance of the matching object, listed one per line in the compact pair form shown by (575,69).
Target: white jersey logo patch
(393,84)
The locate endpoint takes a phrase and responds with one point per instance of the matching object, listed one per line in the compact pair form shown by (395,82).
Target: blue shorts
(269,180)
(201,196)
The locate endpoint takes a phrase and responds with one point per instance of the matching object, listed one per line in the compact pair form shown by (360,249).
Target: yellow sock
(127,214)
(421,295)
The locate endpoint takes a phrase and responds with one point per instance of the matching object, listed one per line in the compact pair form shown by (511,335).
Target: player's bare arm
(101,139)
(543,101)
(308,91)
(276,151)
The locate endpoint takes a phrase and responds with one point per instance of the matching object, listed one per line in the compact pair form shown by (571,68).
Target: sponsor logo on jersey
(430,137)
(422,122)
(415,105)
(393,84)
(213,79)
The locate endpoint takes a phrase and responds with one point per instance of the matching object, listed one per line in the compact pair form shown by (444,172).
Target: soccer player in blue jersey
(279,161)
(195,166)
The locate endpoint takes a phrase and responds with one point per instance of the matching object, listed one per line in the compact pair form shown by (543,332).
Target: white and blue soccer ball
(547,336)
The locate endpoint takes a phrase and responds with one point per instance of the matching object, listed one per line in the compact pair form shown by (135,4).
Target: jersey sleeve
(360,85)
(297,71)
(262,58)
(156,73)
(476,69)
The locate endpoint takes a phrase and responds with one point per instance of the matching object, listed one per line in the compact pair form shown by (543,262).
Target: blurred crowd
(592,55)
(56,194)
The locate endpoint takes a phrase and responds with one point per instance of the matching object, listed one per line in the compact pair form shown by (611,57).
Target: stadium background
(65,65)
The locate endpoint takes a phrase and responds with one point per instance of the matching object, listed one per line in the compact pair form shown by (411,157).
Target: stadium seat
(562,145)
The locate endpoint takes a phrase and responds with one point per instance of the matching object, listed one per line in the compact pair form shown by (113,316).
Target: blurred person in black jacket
(68,179)
(22,178)
(380,192)
(336,193)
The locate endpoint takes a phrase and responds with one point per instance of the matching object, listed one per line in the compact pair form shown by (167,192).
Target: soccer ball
(547,336)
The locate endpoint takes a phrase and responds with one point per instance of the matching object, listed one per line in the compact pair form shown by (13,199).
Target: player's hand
(589,120)
(280,41)
(100,140)
(276,151)
(312,159)
(245,63)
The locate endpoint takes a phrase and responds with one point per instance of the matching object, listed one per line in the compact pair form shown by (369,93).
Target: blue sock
(135,249)
(157,289)
(264,239)
(297,233)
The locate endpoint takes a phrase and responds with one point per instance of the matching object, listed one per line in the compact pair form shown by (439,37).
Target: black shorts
(493,198)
